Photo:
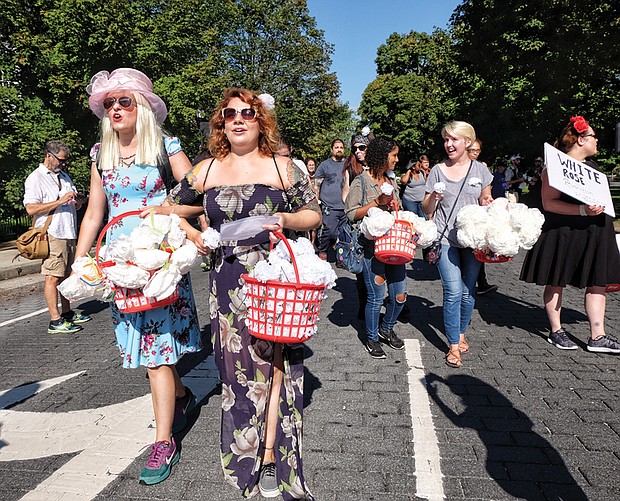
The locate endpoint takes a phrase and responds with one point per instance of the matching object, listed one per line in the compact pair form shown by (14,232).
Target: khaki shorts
(62,254)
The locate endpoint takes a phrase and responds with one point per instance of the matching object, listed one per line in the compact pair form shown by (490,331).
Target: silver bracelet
(582,210)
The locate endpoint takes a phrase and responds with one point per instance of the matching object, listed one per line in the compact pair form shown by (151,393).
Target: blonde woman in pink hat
(132,169)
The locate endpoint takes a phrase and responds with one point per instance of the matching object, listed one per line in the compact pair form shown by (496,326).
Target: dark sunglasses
(124,101)
(248,114)
(361,147)
(61,161)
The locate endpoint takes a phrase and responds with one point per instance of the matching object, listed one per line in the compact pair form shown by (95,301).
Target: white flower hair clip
(268,101)
(475,181)
(366,131)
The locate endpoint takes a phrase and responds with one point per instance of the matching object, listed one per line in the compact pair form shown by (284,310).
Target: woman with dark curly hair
(365,193)
(577,247)
(262,381)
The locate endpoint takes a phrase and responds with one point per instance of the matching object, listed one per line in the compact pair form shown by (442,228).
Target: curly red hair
(268,138)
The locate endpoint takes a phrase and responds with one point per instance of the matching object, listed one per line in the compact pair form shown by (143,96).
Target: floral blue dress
(162,335)
(245,363)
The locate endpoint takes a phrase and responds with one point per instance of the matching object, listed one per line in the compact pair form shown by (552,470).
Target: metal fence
(14,226)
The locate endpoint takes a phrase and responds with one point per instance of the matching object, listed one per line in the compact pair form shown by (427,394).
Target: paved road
(520,420)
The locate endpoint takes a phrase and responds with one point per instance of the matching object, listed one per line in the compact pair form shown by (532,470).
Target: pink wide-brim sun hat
(124,79)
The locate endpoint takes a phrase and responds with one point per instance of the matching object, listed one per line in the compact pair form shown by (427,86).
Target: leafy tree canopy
(191,50)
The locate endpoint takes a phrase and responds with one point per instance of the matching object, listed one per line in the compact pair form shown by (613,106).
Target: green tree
(191,50)
(534,64)
(275,47)
(411,98)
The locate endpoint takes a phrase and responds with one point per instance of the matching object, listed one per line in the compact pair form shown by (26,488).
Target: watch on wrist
(582,210)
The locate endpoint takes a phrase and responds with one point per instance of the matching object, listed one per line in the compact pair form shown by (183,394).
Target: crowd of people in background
(249,167)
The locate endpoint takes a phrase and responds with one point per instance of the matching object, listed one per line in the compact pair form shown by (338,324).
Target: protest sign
(578,180)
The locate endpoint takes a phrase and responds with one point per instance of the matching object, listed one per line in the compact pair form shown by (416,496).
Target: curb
(18,268)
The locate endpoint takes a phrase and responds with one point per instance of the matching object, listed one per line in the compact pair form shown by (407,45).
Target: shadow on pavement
(525,465)
(506,311)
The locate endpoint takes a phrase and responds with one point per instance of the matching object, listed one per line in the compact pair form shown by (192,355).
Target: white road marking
(110,438)
(14,395)
(23,317)
(429,479)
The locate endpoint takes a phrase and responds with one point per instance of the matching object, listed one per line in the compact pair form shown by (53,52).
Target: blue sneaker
(75,317)
(61,326)
(163,456)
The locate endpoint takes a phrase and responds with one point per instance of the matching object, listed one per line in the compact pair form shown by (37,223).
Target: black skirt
(574,250)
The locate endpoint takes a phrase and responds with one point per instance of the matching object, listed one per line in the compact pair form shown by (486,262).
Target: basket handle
(111,222)
(281,236)
(395,207)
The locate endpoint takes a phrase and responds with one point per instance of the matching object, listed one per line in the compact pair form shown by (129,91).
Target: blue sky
(357,28)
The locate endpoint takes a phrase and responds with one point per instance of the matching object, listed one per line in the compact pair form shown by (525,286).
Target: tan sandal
(453,358)
(463,346)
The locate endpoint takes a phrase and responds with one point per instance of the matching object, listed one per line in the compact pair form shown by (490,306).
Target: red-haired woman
(262,382)
(577,247)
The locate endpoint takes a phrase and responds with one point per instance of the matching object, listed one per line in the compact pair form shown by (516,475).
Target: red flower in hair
(579,124)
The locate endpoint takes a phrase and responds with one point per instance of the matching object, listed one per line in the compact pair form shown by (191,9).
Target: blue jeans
(458,269)
(394,276)
(415,207)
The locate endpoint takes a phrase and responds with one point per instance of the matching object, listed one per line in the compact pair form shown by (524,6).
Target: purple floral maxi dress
(163,335)
(245,362)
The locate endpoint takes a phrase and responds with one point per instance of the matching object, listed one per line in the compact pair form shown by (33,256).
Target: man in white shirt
(50,190)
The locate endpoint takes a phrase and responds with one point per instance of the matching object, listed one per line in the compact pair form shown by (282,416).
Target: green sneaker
(62,327)
(163,456)
(75,317)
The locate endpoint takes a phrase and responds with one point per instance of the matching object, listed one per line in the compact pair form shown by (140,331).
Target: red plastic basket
(283,312)
(398,245)
(486,256)
(130,300)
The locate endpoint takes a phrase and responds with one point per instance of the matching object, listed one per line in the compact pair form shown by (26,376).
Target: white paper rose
(376,223)
(387,188)
(184,257)
(268,101)
(211,238)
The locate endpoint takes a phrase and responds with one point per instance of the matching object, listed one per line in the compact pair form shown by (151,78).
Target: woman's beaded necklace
(125,162)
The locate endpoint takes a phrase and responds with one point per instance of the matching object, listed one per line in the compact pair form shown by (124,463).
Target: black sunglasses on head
(124,101)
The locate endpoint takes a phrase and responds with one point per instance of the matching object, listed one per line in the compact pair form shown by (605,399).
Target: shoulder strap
(207,174)
(363,183)
(457,197)
(165,169)
(288,200)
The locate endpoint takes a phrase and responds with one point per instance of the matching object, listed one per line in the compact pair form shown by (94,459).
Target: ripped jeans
(394,275)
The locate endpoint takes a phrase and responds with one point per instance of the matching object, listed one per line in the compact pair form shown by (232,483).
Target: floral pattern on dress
(163,335)
(245,362)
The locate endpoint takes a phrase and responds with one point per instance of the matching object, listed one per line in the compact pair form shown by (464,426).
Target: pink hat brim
(130,80)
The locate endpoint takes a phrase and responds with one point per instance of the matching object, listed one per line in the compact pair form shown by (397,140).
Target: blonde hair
(458,128)
(148,131)
(268,138)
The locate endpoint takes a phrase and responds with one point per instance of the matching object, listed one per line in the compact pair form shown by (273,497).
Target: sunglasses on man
(61,161)
(124,102)
(230,114)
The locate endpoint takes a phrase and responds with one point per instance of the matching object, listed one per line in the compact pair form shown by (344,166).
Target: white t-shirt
(43,186)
